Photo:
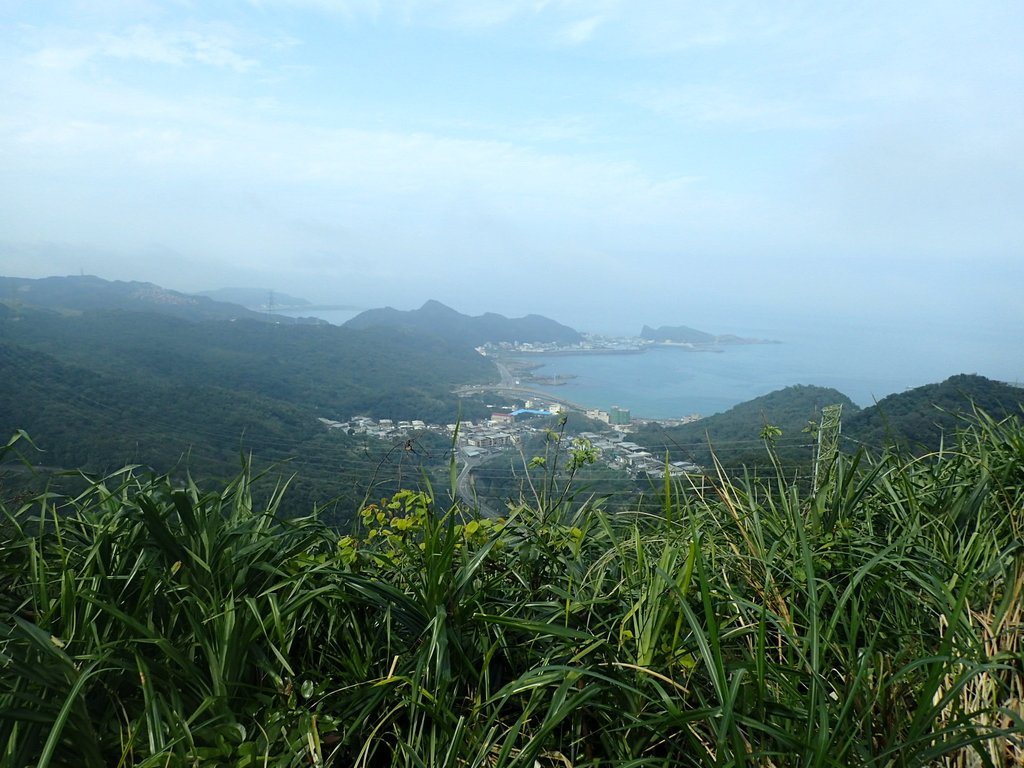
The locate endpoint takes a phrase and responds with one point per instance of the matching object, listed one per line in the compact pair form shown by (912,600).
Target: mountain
(100,389)
(734,435)
(683,334)
(677,333)
(439,320)
(920,418)
(76,294)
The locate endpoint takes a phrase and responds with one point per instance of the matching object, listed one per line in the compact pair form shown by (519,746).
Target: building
(490,440)
(619,416)
(522,414)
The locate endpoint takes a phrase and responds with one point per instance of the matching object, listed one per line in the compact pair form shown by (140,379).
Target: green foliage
(877,622)
(919,419)
(736,438)
(103,390)
(436,319)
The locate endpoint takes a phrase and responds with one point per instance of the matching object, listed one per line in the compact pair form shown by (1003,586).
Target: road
(467,491)
(509,386)
(507,379)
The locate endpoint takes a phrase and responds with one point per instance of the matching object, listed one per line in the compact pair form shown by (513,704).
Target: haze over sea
(866,362)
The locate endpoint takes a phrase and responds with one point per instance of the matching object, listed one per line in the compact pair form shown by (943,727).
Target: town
(509,429)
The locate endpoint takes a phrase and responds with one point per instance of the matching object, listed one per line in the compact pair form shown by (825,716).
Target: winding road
(467,491)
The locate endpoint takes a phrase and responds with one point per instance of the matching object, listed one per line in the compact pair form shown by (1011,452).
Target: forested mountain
(919,418)
(336,371)
(437,319)
(735,435)
(75,294)
(103,389)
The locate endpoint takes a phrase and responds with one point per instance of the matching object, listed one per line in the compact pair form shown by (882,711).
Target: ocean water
(864,364)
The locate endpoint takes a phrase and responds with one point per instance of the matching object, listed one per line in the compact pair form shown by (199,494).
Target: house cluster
(619,453)
(617,418)
(475,439)
(383,429)
(507,429)
(590,343)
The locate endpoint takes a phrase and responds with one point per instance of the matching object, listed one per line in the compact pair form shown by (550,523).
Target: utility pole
(828,444)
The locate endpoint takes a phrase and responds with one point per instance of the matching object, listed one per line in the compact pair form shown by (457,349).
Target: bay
(866,362)
(866,365)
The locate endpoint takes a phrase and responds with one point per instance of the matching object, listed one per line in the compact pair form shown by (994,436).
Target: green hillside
(922,417)
(103,389)
(75,294)
(437,319)
(919,420)
(735,435)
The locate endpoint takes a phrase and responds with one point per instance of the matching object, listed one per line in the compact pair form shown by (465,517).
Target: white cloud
(737,106)
(143,43)
(708,144)
(576,18)
(581,31)
(58,58)
(177,48)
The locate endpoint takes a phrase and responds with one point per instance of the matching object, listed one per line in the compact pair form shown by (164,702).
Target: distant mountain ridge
(678,333)
(75,294)
(439,320)
(683,334)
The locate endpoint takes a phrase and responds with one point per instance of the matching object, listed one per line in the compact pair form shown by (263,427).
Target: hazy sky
(706,163)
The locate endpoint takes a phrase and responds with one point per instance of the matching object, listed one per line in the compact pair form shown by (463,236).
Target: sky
(727,165)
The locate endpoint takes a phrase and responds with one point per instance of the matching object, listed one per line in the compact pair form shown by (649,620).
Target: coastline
(685,345)
(574,352)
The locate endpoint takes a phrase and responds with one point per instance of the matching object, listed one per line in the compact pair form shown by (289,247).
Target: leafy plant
(875,621)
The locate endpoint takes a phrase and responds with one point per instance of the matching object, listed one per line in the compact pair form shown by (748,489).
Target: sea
(866,362)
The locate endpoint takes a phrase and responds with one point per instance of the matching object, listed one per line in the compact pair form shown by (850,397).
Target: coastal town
(598,344)
(509,428)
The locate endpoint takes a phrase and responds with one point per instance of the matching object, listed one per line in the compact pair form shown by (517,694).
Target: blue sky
(607,163)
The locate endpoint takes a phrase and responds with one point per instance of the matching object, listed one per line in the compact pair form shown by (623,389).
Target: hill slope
(76,294)
(102,389)
(439,320)
(735,434)
(920,418)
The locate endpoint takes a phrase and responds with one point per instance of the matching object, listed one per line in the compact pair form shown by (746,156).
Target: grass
(877,622)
